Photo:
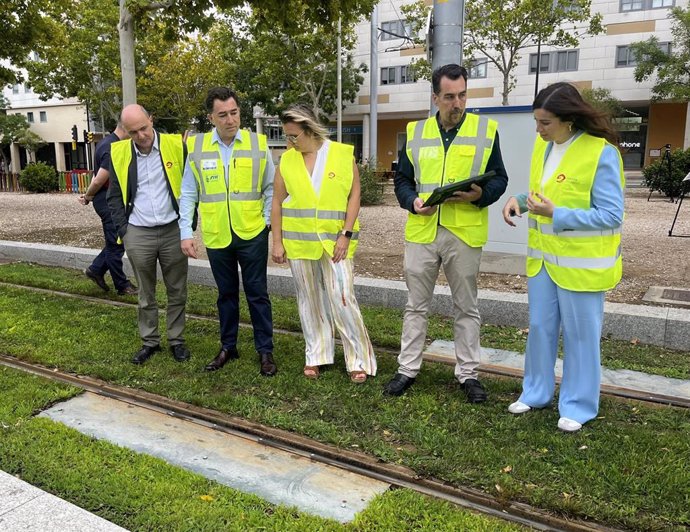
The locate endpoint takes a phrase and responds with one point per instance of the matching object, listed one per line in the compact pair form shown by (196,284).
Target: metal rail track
(616,391)
(359,463)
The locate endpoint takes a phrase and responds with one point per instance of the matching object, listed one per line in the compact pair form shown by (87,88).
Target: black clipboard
(441,194)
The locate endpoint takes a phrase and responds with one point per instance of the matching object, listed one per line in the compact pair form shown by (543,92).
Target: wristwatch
(346,234)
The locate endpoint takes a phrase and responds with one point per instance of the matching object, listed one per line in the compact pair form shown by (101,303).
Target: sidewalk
(27,508)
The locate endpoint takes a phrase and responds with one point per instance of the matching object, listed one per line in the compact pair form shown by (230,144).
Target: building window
(397,74)
(626,58)
(30,117)
(639,5)
(27,89)
(558,61)
(477,68)
(15,88)
(395,29)
(44,116)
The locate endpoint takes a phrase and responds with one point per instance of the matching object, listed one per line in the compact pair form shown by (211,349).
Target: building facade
(601,61)
(53,121)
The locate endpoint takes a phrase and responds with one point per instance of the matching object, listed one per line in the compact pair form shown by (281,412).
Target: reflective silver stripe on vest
(311,213)
(313,237)
(245,196)
(587,263)
(480,142)
(212,198)
(417,143)
(426,187)
(547,229)
(256,155)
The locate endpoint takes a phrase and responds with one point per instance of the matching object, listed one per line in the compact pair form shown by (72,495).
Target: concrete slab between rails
(25,507)
(444,351)
(662,326)
(242,463)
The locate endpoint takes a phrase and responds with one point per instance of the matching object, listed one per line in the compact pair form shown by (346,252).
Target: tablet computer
(441,194)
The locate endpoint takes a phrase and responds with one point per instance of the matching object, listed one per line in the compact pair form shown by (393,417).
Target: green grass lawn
(627,468)
(384,324)
(139,492)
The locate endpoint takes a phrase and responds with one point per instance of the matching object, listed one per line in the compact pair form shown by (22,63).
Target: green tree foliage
(25,26)
(603,100)
(12,126)
(370,183)
(670,183)
(38,177)
(31,142)
(672,70)
(174,87)
(501,29)
(275,68)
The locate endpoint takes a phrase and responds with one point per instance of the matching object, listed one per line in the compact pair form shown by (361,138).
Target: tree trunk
(129,79)
(506,88)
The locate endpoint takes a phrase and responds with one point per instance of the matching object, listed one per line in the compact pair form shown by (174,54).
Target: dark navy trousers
(110,257)
(251,256)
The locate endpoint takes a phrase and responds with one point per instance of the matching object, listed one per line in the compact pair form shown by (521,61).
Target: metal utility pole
(448,28)
(373,84)
(126,31)
(340,83)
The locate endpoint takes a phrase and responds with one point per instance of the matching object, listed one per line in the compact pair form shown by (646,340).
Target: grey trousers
(461,266)
(146,247)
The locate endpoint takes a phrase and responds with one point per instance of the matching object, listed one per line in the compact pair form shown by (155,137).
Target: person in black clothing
(110,257)
(451,146)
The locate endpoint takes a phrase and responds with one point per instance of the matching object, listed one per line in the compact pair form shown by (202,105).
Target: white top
(553,159)
(320,166)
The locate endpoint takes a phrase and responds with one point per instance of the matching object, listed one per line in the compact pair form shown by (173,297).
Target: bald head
(138,125)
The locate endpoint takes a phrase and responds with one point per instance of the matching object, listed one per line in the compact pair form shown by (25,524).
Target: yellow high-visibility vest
(172,154)
(240,203)
(582,261)
(467,156)
(311,224)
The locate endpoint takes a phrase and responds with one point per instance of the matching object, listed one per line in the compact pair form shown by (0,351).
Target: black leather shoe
(129,290)
(398,384)
(224,355)
(474,391)
(145,353)
(268,366)
(98,279)
(180,352)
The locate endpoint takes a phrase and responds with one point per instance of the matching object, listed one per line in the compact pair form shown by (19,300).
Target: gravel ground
(650,256)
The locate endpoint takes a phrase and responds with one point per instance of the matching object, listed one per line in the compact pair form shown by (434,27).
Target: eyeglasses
(293,138)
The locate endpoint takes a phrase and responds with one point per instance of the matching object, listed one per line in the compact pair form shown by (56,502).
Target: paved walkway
(643,383)
(29,509)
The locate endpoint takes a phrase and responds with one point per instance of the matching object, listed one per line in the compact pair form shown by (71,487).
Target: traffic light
(89,137)
(75,137)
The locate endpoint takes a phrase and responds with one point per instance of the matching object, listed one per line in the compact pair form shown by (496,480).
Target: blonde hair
(303,115)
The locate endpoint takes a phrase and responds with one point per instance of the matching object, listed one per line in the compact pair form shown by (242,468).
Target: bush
(656,175)
(38,177)
(372,188)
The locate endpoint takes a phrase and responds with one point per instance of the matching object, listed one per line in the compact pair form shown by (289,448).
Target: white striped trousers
(325,296)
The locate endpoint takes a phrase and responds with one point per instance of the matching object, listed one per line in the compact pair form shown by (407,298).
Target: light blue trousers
(580,315)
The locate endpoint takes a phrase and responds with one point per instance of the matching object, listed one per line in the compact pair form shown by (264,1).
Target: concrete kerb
(668,327)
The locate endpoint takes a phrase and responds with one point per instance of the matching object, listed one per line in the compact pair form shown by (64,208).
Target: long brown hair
(565,101)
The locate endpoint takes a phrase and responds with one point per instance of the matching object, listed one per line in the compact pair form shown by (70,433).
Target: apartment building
(602,61)
(52,120)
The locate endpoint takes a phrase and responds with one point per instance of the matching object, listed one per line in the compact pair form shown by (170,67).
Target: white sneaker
(569,425)
(519,408)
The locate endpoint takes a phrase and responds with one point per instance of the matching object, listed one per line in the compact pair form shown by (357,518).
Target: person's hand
(420,209)
(467,197)
(278,252)
(341,246)
(540,205)
(188,247)
(510,209)
(82,199)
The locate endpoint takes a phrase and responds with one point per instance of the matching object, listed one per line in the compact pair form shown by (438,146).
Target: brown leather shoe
(268,367)
(222,358)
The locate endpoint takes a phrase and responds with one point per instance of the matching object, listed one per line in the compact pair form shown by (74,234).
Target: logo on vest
(560,178)
(211,178)
(331,175)
(168,164)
